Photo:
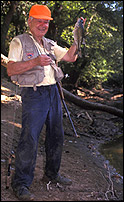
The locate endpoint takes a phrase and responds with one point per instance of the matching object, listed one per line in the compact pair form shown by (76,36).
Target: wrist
(74,44)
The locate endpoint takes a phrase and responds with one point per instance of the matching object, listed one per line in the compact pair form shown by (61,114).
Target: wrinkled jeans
(39,107)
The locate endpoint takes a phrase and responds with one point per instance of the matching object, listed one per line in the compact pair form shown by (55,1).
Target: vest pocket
(31,77)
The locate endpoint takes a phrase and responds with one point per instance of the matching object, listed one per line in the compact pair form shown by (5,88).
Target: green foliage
(102,61)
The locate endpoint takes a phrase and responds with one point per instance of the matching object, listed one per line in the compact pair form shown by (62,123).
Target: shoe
(23,194)
(62,180)
(59,179)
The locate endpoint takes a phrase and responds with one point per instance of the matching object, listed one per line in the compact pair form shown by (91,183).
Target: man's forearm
(70,56)
(14,68)
(72,51)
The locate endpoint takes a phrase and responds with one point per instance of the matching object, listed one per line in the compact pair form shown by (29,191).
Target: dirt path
(92,178)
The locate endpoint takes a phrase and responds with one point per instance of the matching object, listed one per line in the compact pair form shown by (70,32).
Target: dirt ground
(93,177)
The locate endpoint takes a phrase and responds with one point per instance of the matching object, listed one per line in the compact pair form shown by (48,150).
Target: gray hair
(31,17)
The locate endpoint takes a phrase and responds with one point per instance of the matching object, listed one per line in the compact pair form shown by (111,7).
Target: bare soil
(93,179)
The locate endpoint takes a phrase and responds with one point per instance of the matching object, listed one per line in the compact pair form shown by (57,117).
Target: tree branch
(91,105)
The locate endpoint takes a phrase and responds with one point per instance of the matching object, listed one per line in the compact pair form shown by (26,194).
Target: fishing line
(11,152)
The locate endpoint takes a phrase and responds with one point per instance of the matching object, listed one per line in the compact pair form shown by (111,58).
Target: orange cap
(40,12)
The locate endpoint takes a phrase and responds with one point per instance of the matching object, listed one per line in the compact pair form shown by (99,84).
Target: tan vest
(35,75)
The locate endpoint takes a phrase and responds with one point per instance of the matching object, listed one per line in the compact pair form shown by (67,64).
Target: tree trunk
(91,105)
(6,23)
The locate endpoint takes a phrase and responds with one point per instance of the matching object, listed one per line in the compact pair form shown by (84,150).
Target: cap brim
(42,17)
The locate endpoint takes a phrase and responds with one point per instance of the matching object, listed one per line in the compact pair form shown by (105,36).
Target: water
(113,151)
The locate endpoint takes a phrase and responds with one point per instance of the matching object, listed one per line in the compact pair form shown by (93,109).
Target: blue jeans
(38,108)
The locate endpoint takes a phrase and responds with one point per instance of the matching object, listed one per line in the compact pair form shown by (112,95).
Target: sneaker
(59,179)
(23,194)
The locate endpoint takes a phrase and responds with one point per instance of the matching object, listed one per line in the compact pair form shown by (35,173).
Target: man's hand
(84,20)
(44,60)
(15,68)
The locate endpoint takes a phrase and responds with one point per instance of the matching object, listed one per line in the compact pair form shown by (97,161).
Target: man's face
(38,27)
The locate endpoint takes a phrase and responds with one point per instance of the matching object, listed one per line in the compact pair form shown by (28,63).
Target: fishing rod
(11,157)
(8,177)
(65,106)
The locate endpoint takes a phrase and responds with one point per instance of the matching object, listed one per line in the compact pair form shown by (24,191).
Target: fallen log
(91,105)
(79,101)
(4,60)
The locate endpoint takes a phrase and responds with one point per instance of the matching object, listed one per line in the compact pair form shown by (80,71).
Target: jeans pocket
(24,91)
(40,90)
(29,93)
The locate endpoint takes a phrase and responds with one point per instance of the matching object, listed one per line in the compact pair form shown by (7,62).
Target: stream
(113,152)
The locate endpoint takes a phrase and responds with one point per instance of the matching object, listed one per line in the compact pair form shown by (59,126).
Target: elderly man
(31,56)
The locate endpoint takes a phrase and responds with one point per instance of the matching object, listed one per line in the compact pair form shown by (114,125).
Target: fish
(79,34)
